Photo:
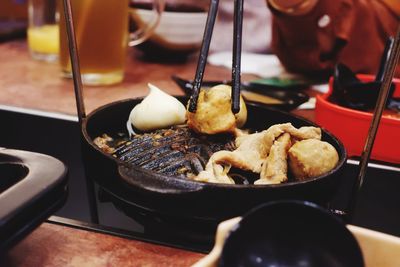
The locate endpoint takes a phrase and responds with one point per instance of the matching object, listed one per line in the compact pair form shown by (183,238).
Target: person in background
(311,36)
(13,10)
(256,23)
(256,27)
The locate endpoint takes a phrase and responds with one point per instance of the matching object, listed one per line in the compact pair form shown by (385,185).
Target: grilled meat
(274,168)
(251,152)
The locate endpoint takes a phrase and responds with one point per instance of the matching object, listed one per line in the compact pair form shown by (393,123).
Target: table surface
(26,83)
(32,84)
(61,246)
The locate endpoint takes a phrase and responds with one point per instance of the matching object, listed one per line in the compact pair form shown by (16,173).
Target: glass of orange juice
(43,32)
(102,36)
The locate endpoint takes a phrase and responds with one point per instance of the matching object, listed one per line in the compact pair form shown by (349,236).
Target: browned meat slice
(215,173)
(252,150)
(274,168)
(103,143)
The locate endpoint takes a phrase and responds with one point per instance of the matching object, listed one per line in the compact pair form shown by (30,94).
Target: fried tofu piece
(213,114)
(311,158)
(274,168)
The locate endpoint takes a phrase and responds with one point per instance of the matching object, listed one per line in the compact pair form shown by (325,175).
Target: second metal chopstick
(73,51)
(236,55)
(201,64)
(388,74)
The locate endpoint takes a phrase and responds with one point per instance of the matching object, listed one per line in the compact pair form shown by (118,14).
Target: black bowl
(291,233)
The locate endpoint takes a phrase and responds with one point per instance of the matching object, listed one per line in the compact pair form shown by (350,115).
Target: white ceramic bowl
(177,31)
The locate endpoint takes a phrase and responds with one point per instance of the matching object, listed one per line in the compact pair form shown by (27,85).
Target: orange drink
(101,30)
(43,35)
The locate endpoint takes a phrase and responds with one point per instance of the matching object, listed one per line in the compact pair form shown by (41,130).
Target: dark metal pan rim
(342,160)
(161,212)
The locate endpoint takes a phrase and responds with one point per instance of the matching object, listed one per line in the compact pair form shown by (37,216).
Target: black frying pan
(185,199)
(182,198)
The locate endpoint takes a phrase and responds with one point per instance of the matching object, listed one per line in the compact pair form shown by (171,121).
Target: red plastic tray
(351,126)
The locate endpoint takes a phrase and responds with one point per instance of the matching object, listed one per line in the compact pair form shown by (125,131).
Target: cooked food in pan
(263,153)
(214,115)
(212,148)
(274,168)
(157,110)
(312,157)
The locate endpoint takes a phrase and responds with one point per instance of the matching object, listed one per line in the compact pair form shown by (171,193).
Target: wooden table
(60,246)
(26,83)
(38,85)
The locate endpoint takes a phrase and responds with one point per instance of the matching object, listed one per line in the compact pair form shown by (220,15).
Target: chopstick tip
(235,109)
(192,105)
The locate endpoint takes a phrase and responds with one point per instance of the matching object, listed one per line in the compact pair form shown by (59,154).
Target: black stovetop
(378,206)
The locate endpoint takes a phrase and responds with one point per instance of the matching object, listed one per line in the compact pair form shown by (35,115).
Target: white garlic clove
(157,110)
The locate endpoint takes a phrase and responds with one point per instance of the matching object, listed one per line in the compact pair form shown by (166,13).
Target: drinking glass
(43,32)
(102,35)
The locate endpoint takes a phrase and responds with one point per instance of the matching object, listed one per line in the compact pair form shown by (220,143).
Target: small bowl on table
(178,34)
(351,126)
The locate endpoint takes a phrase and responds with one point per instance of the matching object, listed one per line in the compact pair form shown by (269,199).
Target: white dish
(176,30)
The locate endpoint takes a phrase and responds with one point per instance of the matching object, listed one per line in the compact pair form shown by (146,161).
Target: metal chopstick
(201,64)
(385,57)
(73,51)
(380,106)
(78,87)
(236,55)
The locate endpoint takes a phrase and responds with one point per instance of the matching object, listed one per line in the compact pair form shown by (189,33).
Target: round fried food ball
(311,158)
(213,114)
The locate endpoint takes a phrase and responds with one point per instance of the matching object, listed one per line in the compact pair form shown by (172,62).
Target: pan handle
(145,180)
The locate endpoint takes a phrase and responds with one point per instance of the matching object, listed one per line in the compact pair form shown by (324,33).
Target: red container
(351,126)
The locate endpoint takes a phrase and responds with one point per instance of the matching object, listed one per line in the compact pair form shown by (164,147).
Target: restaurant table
(31,84)
(61,246)
(34,85)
